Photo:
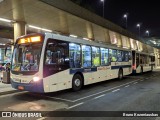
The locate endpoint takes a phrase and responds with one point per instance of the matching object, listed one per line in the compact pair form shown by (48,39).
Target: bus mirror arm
(6,47)
(5,51)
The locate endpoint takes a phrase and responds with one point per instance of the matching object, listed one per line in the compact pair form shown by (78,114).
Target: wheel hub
(77,82)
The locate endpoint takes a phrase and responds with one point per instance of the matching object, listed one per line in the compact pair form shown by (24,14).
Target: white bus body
(142,62)
(65,62)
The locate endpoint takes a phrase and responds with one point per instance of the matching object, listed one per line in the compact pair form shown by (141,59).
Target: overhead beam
(80,12)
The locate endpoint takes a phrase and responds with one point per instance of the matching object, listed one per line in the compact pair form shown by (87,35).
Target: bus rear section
(142,62)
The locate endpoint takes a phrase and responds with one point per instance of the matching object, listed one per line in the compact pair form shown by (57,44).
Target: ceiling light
(73,36)
(85,38)
(5,20)
(39,28)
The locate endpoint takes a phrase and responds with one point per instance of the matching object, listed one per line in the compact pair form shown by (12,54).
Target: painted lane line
(116,90)
(141,80)
(91,94)
(135,83)
(75,105)
(127,86)
(59,99)
(42,118)
(99,96)
(103,91)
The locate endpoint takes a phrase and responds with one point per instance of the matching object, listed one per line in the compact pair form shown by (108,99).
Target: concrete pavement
(6,89)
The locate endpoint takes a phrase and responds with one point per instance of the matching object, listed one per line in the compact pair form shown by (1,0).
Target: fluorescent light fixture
(73,36)
(85,38)
(46,30)
(125,47)
(100,42)
(2,44)
(35,27)
(5,20)
(1,1)
(31,26)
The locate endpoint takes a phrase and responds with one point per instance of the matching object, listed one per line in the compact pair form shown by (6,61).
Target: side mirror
(7,47)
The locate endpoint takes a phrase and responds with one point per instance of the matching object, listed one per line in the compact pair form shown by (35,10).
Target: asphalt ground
(106,100)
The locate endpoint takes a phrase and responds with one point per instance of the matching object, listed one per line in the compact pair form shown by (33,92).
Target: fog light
(35,79)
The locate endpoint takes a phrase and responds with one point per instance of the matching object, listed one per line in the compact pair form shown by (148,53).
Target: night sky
(146,12)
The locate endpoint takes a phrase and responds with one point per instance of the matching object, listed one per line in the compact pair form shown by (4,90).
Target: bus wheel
(77,82)
(120,74)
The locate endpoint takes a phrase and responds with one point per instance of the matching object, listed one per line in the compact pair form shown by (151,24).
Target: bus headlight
(35,79)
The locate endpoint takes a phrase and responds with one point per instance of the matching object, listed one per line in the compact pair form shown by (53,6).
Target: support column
(128,43)
(119,40)
(63,23)
(158,64)
(89,28)
(19,29)
(18,17)
(107,37)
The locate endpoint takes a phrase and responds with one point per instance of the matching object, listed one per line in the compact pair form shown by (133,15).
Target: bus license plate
(20,88)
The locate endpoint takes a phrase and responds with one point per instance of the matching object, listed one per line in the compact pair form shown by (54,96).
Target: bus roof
(81,41)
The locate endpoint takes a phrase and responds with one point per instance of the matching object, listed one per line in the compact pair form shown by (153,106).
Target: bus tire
(77,82)
(120,74)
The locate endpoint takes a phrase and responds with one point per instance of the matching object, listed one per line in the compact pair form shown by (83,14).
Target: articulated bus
(52,62)
(142,62)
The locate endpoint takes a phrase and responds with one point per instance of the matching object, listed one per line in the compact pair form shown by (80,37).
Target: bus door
(56,57)
(133,60)
(137,59)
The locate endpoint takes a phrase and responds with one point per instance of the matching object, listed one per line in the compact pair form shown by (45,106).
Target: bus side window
(74,55)
(104,56)
(57,53)
(95,56)
(113,55)
(86,56)
(126,56)
(48,57)
(119,56)
(129,56)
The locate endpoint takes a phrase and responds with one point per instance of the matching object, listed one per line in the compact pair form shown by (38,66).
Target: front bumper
(32,87)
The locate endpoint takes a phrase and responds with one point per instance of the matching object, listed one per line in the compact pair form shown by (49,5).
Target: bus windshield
(26,57)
